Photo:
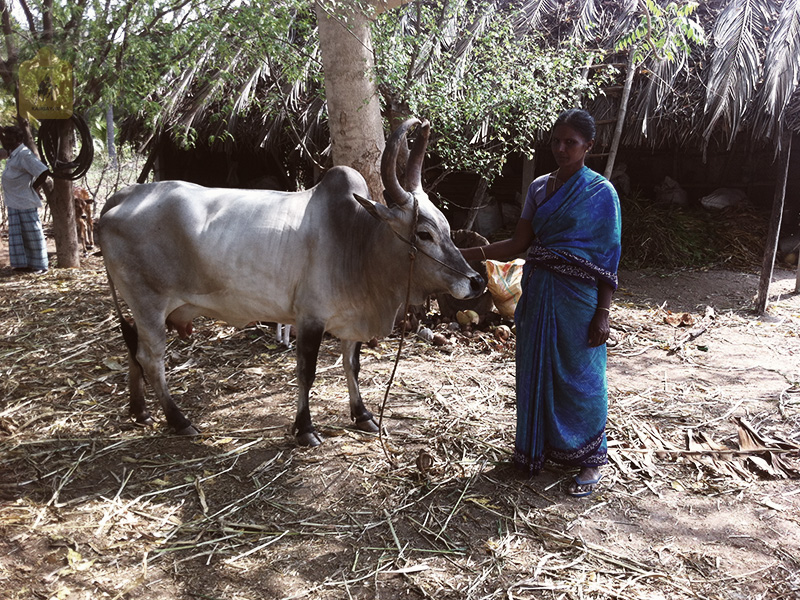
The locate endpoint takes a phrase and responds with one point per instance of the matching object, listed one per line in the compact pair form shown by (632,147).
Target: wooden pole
(477,202)
(771,246)
(623,109)
(797,275)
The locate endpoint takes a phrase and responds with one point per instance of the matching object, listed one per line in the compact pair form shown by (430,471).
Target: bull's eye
(424,236)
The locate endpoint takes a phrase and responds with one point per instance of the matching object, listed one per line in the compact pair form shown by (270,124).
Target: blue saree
(562,395)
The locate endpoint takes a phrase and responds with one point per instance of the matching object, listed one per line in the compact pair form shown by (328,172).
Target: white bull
(324,259)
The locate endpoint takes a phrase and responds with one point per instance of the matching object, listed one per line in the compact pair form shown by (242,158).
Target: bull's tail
(129,333)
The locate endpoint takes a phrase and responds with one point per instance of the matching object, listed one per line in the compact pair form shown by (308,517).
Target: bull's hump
(340,182)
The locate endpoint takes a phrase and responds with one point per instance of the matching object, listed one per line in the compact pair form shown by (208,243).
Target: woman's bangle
(482,252)
(603,308)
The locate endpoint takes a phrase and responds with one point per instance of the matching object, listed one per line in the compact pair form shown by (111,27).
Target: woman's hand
(599,328)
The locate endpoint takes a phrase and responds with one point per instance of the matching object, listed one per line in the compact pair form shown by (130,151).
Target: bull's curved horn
(417,156)
(393,191)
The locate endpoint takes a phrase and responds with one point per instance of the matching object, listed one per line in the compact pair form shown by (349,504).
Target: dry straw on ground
(694,504)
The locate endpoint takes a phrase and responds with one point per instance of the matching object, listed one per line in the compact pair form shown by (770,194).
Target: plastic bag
(505,285)
(670,192)
(723,198)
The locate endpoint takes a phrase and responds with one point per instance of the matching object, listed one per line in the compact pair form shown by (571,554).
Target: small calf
(84,209)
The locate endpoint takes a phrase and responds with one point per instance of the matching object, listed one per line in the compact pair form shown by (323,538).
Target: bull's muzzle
(476,286)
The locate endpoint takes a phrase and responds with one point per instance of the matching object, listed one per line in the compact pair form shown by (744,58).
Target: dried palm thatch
(745,82)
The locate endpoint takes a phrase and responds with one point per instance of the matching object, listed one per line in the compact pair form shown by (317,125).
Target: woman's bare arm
(506,249)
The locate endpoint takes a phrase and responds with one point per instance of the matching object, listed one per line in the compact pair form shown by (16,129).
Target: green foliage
(185,137)
(135,53)
(666,31)
(261,57)
(490,86)
(8,108)
(489,90)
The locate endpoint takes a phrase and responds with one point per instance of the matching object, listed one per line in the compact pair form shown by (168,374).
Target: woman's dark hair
(580,120)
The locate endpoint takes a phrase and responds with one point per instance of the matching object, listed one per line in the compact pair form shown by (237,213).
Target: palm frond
(245,94)
(792,115)
(624,20)
(781,71)
(466,42)
(661,76)
(735,64)
(175,90)
(587,24)
(532,14)
(433,46)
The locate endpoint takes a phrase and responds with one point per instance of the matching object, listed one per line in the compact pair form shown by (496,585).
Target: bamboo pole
(623,109)
(771,246)
(797,275)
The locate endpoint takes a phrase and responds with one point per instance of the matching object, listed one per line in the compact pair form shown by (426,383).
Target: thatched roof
(743,85)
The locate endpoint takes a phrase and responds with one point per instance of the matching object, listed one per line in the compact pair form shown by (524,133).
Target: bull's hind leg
(351,357)
(309,338)
(150,355)
(138,405)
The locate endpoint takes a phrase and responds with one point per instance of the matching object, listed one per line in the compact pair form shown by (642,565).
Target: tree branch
(649,35)
(8,32)
(47,21)
(29,17)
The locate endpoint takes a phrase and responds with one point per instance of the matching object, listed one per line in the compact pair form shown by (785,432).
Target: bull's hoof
(367,424)
(145,420)
(189,430)
(311,439)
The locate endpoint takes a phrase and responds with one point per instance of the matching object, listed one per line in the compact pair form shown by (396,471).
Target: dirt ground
(701,498)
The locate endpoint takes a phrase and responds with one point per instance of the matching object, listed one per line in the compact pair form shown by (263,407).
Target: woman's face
(569,147)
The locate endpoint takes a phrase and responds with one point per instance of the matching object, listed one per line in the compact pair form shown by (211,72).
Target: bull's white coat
(240,256)
(316,259)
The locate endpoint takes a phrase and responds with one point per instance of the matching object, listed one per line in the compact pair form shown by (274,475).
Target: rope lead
(412,254)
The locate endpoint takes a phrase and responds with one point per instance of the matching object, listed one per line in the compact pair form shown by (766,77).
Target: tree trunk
(477,202)
(771,247)
(354,116)
(110,141)
(528,175)
(62,206)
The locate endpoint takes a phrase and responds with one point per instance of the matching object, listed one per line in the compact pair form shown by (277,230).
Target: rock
(502,333)
(467,317)
(426,334)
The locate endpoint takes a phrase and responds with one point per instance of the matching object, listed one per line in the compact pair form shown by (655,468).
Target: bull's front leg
(351,358)
(309,338)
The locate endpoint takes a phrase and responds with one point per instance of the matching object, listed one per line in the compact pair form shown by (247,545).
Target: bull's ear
(378,211)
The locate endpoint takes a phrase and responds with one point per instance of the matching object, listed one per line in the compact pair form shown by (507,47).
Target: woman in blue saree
(570,225)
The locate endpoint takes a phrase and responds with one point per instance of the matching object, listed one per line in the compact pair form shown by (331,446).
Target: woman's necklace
(555,182)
